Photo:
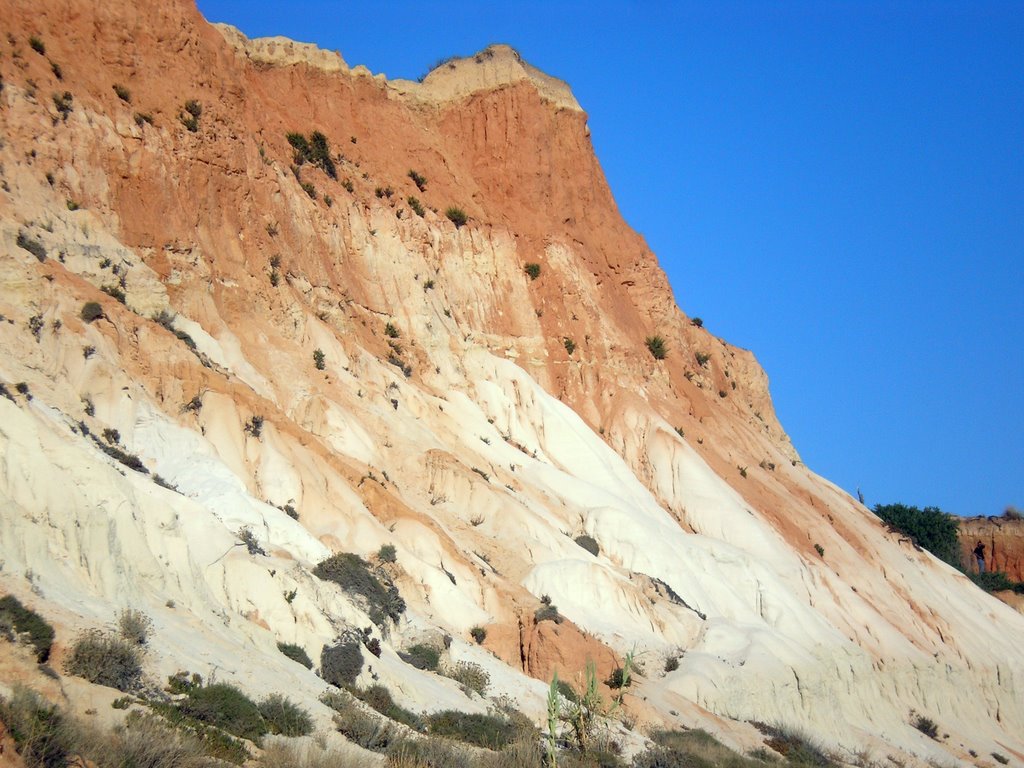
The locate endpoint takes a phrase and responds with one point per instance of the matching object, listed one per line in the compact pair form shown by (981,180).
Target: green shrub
(930,528)
(319,359)
(122,93)
(377,591)
(456,216)
(589,543)
(702,358)
(472,677)
(422,656)
(224,706)
(485,731)
(341,663)
(697,322)
(419,181)
(26,621)
(569,344)
(41,734)
(547,612)
(417,206)
(1000,758)
(387,553)
(427,752)
(360,727)
(105,660)
(37,45)
(391,331)
(379,697)
(656,346)
(134,626)
(996,581)
(671,663)
(190,114)
(925,725)
(533,270)
(296,653)
(798,748)
(479,634)
(31,245)
(285,718)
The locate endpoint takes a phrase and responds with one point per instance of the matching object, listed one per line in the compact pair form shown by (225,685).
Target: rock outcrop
(297,340)
(1003,538)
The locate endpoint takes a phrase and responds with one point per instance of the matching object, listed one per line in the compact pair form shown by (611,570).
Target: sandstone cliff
(311,358)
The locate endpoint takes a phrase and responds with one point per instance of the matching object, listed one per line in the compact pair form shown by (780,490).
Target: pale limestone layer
(281,51)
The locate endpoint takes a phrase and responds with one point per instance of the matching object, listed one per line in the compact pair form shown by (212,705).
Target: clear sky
(837,186)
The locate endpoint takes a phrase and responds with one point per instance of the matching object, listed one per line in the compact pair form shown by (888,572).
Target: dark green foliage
(319,359)
(547,613)
(387,553)
(690,749)
(360,727)
(143,118)
(31,245)
(105,660)
(930,528)
(254,426)
(58,72)
(796,747)
(26,621)
(41,735)
(702,358)
(285,718)
(419,181)
(617,679)
(190,115)
(926,726)
(309,189)
(570,345)
(671,663)
(315,150)
(64,103)
(422,656)
(114,292)
(341,663)
(379,697)
(1000,758)
(354,575)
(479,634)
(996,581)
(471,676)
(417,206)
(481,730)
(194,108)
(697,322)
(296,653)
(456,216)
(37,45)
(589,543)
(122,93)
(115,452)
(656,346)
(224,706)
(391,331)
(533,270)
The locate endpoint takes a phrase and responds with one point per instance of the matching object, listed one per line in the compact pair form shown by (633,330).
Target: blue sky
(838,186)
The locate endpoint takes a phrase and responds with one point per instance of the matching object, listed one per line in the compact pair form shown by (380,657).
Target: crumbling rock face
(301,352)
(1004,544)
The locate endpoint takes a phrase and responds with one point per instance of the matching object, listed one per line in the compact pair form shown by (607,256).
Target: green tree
(930,528)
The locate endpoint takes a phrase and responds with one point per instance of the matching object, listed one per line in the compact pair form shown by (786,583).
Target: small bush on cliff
(930,528)
(91,310)
(224,706)
(284,717)
(26,621)
(533,270)
(42,736)
(417,206)
(456,216)
(656,346)
(353,574)
(422,656)
(419,181)
(105,660)
(485,731)
(296,653)
(341,663)
(996,581)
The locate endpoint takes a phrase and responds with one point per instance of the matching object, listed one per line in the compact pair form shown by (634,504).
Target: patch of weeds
(284,717)
(419,181)
(456,216)
(117,453)
(25,621)
(341,663)
(925,725)
(358,726)
(820,550)
(296,653)
(190,114)
(315,150)
(547,612)
(114,292)
(1000,758)
(484,475)
(134,626)
(37,45)
(569,344)
(252,544)
(22,388)
(42,735)
(702,358)
(379,698)
(796,747)
(254,426)
(671,664)
(122,93)
(35,325)
(472,677)
(417,206)
(533,270)
(656,346)
(224,706)
(319,359)
(421,656)
(31,245)
(143,118)
(486,731)
(479,634)
(387,553)
(105,660)
(64,104)
(391,331)
(375,589)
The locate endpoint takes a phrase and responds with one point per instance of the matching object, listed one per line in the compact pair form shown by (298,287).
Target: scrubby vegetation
(532,270)
(486,731)
(341,663)
(296,653)
(930,528)
(416,205)
(91,310)
(190,114)
(419,181)
(31,245)
(422,656)
(224,706)
(996,581)
(315,150)
(479,634)
(41,733)
(105,659)
(15,618)
(472,677)
(656,346)
(284,717)
(134,626)
(456,216)
(375,589)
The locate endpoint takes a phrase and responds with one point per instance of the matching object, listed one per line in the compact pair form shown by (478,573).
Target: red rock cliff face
(1004,544)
